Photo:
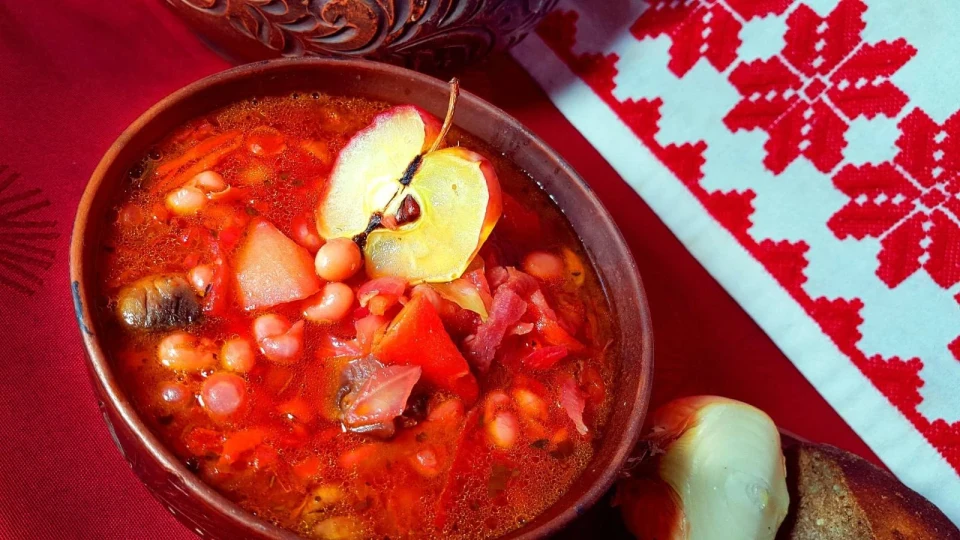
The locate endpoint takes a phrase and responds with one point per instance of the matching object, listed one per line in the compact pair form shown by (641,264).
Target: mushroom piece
(158,302)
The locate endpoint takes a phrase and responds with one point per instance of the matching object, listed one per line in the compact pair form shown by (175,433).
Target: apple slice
(366,174)
(418,213)
(457,196)
(273,269)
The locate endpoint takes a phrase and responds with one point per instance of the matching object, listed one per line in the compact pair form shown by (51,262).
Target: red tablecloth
(73,74)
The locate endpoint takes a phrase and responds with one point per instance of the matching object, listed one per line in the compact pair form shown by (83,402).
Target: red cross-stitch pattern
(826,76)
(697,30)
(805,97)
(911,204)
(749,9)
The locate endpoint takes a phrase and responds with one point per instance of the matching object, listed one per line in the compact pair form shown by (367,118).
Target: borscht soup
(355,321)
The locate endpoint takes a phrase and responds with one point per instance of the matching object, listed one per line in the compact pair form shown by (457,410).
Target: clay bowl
(430,35)
(199,506)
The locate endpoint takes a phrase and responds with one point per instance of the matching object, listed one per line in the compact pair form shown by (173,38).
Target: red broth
(451,468)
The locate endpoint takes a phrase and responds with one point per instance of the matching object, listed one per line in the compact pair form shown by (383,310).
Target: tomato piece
(381,303)
(417,337)
(393,286)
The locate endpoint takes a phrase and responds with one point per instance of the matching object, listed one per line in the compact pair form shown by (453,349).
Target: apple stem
(377,219)
(448,120)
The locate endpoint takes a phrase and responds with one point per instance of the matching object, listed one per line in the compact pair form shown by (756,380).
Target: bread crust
(836,495)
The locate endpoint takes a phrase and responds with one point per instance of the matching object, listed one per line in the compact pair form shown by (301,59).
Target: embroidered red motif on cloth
(817,148)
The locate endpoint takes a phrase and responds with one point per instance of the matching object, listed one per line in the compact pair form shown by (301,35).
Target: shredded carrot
(195,130)
(196,152)
(205,162)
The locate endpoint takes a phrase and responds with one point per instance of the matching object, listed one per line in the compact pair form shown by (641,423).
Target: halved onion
(714,470)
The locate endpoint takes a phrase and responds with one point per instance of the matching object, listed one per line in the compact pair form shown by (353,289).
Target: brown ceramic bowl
(432,35)
(199,506)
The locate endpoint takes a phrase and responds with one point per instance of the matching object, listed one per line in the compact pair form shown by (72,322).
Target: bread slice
(836,495)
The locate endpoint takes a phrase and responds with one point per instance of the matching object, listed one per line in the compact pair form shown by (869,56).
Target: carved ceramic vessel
(429,35)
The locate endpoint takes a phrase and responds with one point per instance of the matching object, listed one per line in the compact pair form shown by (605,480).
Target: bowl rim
(99,365)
